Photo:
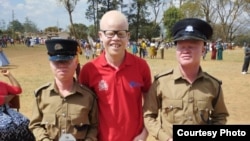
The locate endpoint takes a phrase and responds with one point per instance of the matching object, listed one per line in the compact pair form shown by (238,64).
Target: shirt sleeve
(93,115)
(13,89)
(151,111)
(35,122)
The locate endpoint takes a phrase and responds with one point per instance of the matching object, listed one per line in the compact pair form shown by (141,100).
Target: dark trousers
(246,63)
(162,53)
(141,52)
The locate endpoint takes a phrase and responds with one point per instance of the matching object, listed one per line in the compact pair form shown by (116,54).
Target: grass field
(31,68)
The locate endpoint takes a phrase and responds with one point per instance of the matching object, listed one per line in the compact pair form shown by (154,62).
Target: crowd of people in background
(28,41)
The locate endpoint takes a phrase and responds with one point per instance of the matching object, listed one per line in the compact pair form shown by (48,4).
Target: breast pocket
(79,125)
(204,110)
(172,110)
(49,122)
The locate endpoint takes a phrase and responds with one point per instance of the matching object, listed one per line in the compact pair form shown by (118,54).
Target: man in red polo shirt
(120,79)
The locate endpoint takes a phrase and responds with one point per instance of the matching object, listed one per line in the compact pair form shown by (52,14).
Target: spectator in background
(246,59)
(134,48)
(3,58)
(213,51)
(78,68)
(143,49)
(162,49)
(219,48)
(88,52)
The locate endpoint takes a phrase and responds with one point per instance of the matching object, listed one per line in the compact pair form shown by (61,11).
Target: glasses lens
(111,34)
(121,34)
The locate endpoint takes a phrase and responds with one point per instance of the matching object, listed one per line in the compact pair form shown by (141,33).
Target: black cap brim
(60,58)
(182,38)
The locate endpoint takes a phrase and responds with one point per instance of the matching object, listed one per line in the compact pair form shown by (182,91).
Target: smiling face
(114,23)
(189,52)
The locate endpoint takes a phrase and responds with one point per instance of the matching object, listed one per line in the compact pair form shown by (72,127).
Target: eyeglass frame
(115,33)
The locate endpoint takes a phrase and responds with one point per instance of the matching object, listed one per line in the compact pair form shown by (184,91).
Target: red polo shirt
(119,95)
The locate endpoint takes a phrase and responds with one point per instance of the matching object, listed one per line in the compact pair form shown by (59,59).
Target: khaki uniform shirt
(173,100)
(54,115)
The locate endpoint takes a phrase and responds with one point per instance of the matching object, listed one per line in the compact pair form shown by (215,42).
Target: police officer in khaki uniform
(185,94)
(64,110)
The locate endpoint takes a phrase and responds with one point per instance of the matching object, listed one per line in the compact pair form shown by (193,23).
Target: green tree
(191,9)
(137,18)
(91,14)
(15,25)
(92,32)
(150,30)
(2,25)
(70,6)
(81,30)
(51,29)
(97,8)
(29,26)
(171,16)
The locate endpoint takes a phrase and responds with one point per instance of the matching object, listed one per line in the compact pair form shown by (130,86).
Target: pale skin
(188,54)
(115,47)
(63,74)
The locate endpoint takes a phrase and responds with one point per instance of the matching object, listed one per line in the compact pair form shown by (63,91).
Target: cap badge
(189,28)
(58,47)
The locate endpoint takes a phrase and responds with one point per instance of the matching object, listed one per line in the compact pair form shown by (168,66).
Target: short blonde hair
(114,16)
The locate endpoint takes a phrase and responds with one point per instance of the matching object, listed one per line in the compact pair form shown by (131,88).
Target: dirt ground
(30,67)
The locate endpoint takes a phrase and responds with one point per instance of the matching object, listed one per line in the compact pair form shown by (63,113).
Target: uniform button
(190,118)
(64,99)
(190,100)
(207,109)
(171,107)
(63,114)
(63,131)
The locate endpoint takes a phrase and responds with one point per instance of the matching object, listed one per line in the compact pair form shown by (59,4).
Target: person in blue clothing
(219,48)
(134,48)
(3,59)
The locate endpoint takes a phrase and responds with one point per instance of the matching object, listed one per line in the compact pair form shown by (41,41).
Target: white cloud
(43,13)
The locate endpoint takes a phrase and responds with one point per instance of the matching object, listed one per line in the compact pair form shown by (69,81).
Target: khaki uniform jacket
(173,100)
(54,115)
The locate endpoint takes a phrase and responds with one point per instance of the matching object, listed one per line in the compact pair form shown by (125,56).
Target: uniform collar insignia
(58,47)
(189,28)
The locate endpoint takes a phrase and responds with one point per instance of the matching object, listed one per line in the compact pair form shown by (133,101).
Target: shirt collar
(128,60)
(53,87)
(177,74)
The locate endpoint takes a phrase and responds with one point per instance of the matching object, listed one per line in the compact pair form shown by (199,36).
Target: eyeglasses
(112,33)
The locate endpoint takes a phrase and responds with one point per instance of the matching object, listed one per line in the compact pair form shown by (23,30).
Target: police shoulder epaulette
(88,90)
(156,77)
(219,81)
(37,91)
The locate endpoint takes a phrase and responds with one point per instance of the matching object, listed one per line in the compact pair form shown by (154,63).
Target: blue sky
(43,13)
